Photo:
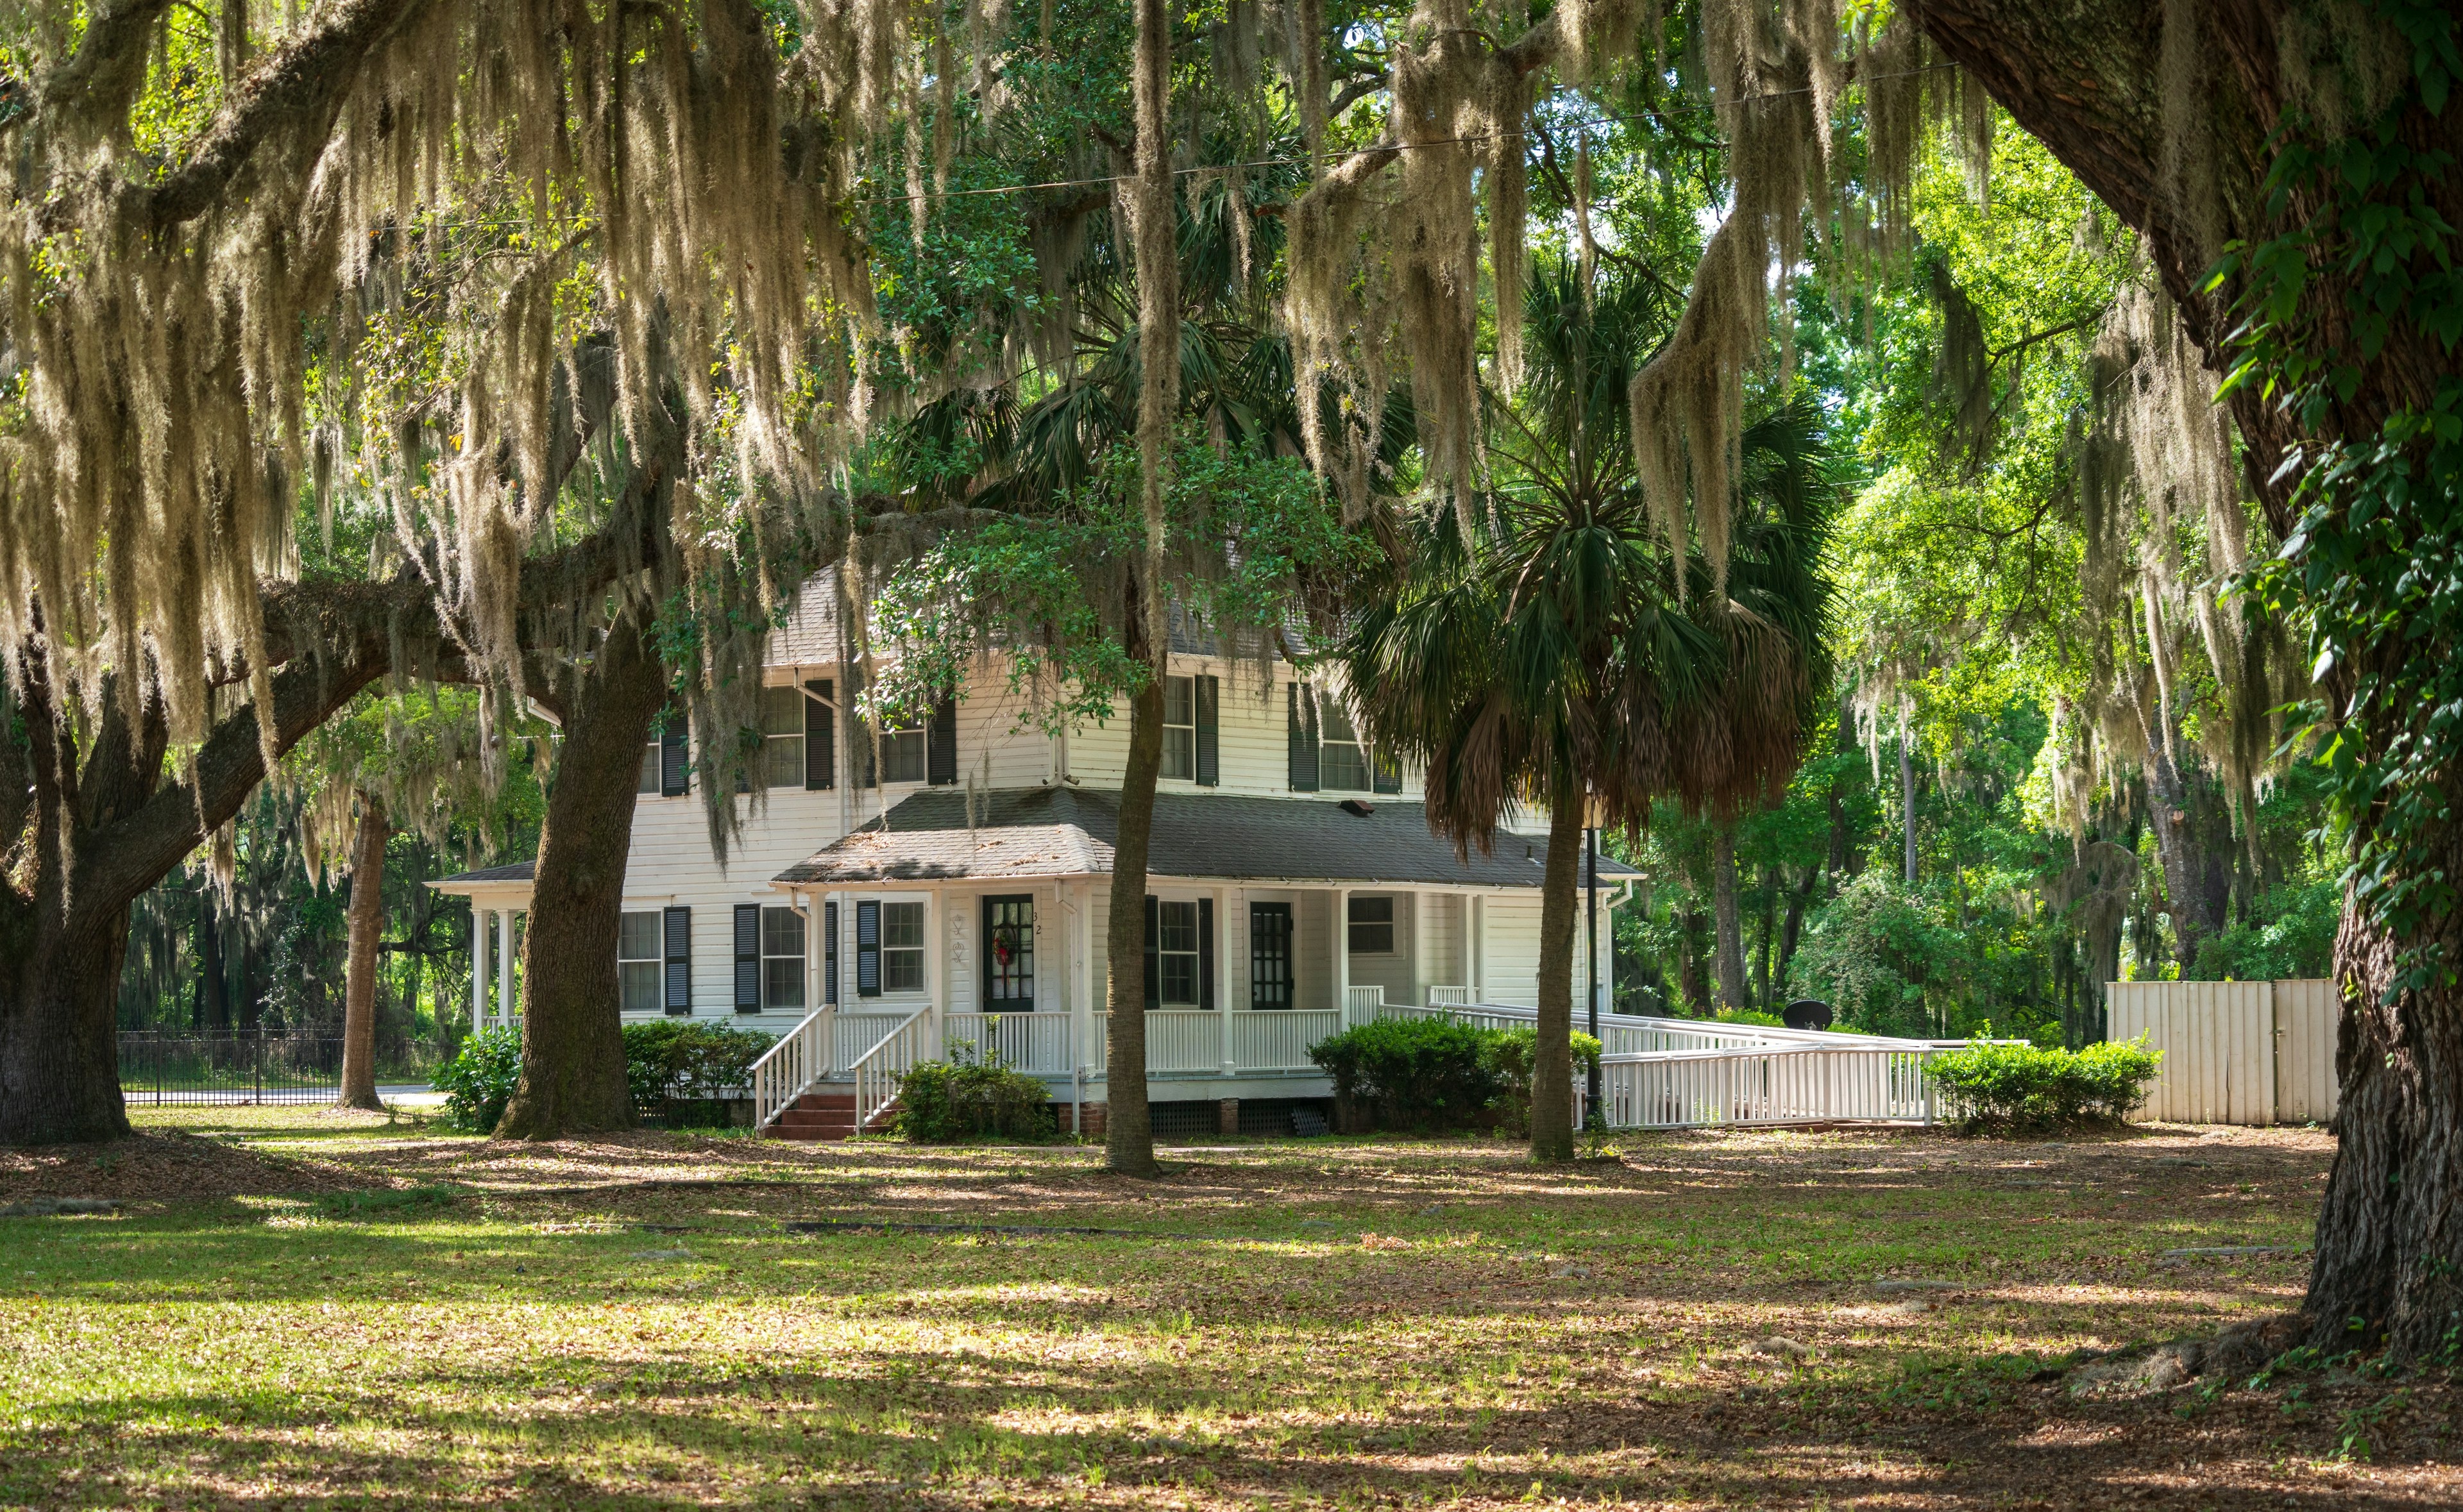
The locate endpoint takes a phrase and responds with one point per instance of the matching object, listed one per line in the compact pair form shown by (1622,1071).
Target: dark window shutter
(820,744)
(675,770)
(678,947)
(1209,765)
(864,755)
(1206,952)
(1384,774)
(867,948)
(941,743)
(1304,738)
(1154,942)
(748,957)
(829,953)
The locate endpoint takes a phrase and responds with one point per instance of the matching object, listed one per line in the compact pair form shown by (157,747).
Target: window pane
(1179,752)
(902,971)
(782,933)
(782,711)
(638,987)
(1341,769)
(782,983)
(901,925)
(1179,701)
(901,756)
(1179,975)
(783,759)
(636,937)
(1334,720)
(648,781)
(1179,931)
(1372,911)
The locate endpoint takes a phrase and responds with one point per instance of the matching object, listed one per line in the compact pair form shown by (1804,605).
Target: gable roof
(1069,831)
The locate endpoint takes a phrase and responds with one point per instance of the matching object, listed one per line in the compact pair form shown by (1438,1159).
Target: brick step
(824,1116)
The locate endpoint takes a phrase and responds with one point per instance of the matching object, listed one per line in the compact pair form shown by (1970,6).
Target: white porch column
(1341,946)
(478,967)
(1419,947)
(1222,938)
(1477,935)
(504,965)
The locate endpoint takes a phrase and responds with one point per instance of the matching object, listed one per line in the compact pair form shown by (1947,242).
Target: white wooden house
(896,891)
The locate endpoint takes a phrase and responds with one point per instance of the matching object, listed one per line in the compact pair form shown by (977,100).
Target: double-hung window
(639,955)
(901,947)
(782,737)
(1342,762)
(904,756)
(782,959)
(1176,954)
(648,780)
(1371,926)
(1180,728)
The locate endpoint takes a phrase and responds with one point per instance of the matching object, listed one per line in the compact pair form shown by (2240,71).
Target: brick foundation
(1091,1118)
(1228,1116)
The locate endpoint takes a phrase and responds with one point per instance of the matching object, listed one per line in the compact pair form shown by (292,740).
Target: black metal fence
(163,1070)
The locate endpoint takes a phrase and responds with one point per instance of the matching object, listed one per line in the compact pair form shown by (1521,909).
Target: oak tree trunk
(573,1034)
(2087,79)
(360,983)
(59,1043)
(1128,1136)
(1552,1057)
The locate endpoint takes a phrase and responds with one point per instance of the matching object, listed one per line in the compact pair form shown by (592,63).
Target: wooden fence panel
(2219,1045)
(2307,1017)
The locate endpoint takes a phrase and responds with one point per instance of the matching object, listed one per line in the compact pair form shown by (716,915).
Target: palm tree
(1550,660)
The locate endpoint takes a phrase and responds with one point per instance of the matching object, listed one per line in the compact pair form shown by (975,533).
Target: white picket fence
(1655,1072)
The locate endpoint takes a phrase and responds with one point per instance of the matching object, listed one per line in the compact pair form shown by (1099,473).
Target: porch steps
(825,1116)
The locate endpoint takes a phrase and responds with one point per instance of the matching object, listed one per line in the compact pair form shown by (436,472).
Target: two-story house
(899,888)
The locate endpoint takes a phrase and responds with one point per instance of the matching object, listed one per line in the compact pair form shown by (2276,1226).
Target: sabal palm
(1550,659)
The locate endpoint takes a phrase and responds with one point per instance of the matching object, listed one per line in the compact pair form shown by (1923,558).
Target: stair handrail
(789,1069)
(877,1071)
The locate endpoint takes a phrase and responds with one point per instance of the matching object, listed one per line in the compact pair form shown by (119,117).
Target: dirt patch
(167,1168)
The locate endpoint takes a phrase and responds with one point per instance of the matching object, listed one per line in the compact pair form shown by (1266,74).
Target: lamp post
(1596,1119)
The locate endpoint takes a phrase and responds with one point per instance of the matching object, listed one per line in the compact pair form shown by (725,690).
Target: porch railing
(788,1070)
(1279,1041)
(1036,1044)
(878,1070)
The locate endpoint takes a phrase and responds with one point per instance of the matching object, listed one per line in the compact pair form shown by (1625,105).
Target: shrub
(965,1098)
(1508,1053)
(679,1069)
(2029,1087)
(479,1082)
(1414,1072)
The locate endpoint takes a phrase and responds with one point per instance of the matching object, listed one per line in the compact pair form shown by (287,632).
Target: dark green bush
(479,1082)
(2027,1087)
(681,1071)
(1508,1053)
(676,1070)
(967,1098)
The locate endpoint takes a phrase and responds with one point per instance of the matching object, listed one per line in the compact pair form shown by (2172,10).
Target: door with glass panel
(1270,955)
(1008,954)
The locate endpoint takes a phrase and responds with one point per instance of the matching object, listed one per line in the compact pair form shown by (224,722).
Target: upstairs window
(782,737)
(1180,728)
(904,756)
(648,780)
(1342,762)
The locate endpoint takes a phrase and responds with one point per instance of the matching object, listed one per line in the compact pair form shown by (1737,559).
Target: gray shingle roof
(517,871)
(1066,832)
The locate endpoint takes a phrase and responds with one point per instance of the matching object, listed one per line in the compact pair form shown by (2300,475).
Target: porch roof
(518,871)
(1064,831)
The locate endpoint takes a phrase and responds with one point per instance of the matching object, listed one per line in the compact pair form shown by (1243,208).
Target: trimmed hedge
(678,1069)
(1434,1073)
(967,1098)
(2020,1087)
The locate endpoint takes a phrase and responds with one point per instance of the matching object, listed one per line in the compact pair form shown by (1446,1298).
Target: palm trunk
(1129,1136)
(359,989)
(1732,993)
(573,1039)
(1552,1058)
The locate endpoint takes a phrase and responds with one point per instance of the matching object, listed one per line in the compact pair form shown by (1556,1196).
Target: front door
(1270,955)
(1008,954)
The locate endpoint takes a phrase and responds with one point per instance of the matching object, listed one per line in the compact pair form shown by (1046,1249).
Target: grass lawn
(304,1310)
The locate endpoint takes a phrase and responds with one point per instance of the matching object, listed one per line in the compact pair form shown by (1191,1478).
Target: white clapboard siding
(2234,1052)
(2307,1017)
(1514,950)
